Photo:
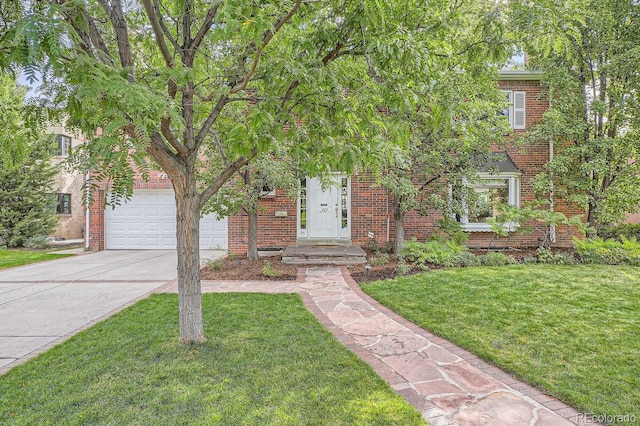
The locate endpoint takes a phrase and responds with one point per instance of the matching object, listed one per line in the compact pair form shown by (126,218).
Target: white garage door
(148,221)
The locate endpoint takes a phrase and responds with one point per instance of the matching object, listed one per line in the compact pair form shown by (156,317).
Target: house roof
(498,162)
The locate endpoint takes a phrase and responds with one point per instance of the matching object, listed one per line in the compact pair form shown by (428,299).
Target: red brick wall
(273,231)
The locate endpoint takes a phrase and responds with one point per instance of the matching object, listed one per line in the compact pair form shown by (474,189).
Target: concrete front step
(324,255)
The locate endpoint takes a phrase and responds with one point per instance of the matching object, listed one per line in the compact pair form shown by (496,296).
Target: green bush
(545,255)
(497,259)
(269,271)
(462,260)
(626,230)
(610,252)
(380,259)
(37,242)
(436,252)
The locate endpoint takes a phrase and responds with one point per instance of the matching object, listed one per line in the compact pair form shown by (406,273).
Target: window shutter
(519,110)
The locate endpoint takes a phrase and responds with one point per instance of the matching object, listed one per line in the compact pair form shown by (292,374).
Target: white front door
(324,212)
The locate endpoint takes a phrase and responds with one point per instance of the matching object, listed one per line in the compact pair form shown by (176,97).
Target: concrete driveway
(43,304)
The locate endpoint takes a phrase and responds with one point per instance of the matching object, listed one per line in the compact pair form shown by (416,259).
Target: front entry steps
(324,255)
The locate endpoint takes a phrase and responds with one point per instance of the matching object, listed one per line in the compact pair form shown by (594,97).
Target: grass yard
(11,258)
(571,330)
(267,361)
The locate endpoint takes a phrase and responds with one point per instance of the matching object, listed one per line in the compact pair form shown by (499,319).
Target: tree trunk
(188,251)
(252,218)
(398,220)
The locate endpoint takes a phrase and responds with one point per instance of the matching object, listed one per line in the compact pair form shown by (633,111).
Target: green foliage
(610,252)
(403,268)
(497,259)
(27,202)
(545,255)
(588,52)
(463,260)
(270,271)
(379,259)
(37,242)
(533,217)
(436,252)
(450,230)
(626,230)
(215,265)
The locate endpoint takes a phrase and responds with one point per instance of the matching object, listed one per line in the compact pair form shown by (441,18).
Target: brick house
(67,185)
(353,211)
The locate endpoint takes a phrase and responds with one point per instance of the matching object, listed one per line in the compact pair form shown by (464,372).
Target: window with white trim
(62,146)
(490,191)
(516,112)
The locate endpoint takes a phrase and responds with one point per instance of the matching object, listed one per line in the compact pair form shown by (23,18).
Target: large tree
(589,53)
(27,202)
(451,113)
(167,80)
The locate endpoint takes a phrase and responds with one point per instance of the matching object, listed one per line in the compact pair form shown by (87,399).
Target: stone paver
(449,385)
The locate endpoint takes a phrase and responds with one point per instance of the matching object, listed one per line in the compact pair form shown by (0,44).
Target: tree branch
(165,127)
(204,29)
(224,176)
(206,126)
(116,16)
(157,31)
(265,41)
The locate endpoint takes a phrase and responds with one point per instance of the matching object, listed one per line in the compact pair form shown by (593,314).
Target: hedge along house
(349,210)
(353,210)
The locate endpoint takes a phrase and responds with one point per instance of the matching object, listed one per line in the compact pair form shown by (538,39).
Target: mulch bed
(243,269)
(240,268)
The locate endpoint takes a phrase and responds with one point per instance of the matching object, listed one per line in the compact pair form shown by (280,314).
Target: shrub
(545,255)
(610,252)
(215,265)
(37,242)
(403,268)
(436,252)
(270,271)
(497,259)
(380,259)
(626,230)
(462,260)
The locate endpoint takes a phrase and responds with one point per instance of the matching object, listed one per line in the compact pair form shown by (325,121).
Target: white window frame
(63,145)
(513,180)
(516,113)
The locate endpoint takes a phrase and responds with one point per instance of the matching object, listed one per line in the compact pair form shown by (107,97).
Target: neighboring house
(68,186)
(353,211)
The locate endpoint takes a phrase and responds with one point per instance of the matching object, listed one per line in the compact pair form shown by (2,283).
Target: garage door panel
(147,221)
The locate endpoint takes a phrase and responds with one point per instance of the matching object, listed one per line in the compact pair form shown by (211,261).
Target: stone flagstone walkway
(449,385)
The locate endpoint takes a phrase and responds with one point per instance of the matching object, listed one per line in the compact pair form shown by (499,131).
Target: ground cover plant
(574,331)
(270,362)
(11,258)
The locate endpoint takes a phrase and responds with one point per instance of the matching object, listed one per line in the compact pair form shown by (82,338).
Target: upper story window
(62,147)
(516,112)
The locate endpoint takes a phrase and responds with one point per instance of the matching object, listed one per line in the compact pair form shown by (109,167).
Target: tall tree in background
(27,204)
(166,80)
(451,112)
(589,53)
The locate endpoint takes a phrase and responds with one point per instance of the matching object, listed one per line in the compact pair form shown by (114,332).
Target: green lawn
(11,258)
(571,330)
(267,361)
